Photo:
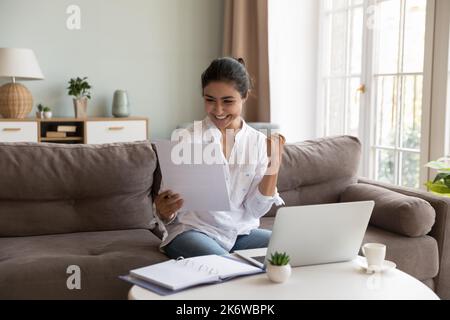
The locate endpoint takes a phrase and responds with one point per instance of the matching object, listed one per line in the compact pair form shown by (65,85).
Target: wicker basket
(16,101)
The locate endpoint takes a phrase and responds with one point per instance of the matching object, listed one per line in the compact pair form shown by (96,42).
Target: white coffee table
(335,281)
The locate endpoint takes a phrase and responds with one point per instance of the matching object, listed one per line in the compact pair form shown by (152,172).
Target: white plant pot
(278,274)
(47,115)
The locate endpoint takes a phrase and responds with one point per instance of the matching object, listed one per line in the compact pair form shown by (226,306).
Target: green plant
(279,259)
(79,88)
(40,107)
(440,184)
(47,109)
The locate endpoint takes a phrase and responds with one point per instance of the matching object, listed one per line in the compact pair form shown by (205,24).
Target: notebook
(184,273)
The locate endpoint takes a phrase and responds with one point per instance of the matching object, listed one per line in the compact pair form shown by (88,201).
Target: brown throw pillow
(409,216)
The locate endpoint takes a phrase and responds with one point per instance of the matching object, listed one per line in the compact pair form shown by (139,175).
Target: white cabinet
(98,132)
(88,131)
(20,131)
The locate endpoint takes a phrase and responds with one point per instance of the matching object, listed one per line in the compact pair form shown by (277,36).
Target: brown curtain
(246,36)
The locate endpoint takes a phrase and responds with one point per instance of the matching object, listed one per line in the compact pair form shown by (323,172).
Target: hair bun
(241,61)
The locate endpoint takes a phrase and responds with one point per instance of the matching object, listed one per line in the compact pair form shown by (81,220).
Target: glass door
(397,82)
(371,82)
(342,65)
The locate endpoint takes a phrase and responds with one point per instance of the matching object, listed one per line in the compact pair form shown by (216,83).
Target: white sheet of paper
(202,186)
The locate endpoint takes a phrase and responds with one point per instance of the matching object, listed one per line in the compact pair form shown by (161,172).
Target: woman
(252,184)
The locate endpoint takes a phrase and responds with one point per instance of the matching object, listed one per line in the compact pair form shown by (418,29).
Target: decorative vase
(278,274)
(121,105)
(39,114)
(80,106)
(47,115)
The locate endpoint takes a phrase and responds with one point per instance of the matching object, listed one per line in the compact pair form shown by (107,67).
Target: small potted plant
(79,89)
(47,113)
(441,184)
(40,112)
(279,269)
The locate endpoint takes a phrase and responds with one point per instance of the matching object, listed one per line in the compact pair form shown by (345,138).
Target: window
(397,84)
(343,48)
(372,82)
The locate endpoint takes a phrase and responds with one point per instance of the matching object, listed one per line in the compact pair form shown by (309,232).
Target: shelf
(61,120)
(62,139)
(52,126)
(84,119)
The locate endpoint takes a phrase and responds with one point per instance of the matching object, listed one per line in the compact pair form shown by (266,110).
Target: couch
(74,205)
(90,206)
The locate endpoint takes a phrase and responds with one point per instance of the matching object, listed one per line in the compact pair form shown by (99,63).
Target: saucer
(387,266)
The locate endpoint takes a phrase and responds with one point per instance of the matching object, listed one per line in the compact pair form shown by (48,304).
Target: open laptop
(315,234)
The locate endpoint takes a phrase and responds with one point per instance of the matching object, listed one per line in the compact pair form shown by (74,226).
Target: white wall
(447,134)
(154,49)
(293,50)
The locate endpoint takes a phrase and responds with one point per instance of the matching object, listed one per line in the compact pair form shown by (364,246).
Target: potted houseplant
(47,112)
(440,184)
(40,112)
(279,270)
(79,90)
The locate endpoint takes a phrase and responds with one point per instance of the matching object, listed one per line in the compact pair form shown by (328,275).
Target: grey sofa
(90,206)
(83,205)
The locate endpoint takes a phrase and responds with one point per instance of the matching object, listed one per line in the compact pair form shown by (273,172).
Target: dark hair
(229,70)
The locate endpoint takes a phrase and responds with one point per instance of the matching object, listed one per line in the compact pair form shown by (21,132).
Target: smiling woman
(251,185)
(226,85)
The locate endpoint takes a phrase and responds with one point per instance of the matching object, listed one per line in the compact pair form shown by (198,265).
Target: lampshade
(20,64)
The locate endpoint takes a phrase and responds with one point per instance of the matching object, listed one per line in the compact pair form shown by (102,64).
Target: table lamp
(16,100)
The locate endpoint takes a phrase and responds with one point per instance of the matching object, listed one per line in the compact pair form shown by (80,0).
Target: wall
(154,49)
(293,47)
(437,121)
(447,134)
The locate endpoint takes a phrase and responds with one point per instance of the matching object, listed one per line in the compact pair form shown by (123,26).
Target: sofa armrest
(440,230)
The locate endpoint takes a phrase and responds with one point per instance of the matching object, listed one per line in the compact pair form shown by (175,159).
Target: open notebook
(180,274)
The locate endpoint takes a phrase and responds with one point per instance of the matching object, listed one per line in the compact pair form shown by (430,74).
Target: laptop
(315,234)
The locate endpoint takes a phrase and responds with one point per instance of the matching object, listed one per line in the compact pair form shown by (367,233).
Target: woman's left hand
(275,148)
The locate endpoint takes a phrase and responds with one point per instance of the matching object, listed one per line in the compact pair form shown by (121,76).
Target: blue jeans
(193,243)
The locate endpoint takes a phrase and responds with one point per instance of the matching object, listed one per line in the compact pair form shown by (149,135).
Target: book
(66,129)
(55,134)
(180,274)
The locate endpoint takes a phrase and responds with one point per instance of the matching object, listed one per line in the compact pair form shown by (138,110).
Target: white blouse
(243,176)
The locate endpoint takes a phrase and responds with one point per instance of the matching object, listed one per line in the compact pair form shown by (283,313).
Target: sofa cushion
(393,211)
(56,188)
(36,267)
(318,171)
(418,256)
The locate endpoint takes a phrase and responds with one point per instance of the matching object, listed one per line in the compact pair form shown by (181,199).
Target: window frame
(439,119)
(400,76)
(368,108)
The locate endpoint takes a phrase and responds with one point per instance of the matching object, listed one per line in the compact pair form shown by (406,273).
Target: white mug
(375,254)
